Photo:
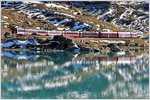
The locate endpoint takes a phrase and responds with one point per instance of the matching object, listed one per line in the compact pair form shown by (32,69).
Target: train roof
(78,31)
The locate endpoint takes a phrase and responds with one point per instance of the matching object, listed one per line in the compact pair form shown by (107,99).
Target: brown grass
(15,18)
(98,45)
(87,18)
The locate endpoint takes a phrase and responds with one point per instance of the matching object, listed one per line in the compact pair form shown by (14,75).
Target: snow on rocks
(38,28)
(5,17)
(8,44)
(52,5)
(56,22)
(6,23)
(111,11)
(124,17)
(77,13)
(97,27)
(121,53)
(107,41)
(66,28)
(111,41)
(20,43)
(93,11)
(78,26)
(68,15)
(38,2)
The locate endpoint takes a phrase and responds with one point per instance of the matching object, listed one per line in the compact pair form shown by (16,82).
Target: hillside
(52,16)
(77,16)
(129,16)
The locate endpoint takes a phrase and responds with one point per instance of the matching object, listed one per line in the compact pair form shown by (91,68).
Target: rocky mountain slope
(129,16)
(77,16)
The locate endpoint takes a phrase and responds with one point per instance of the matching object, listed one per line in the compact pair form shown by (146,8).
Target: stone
(113,47)
(65,43)
(85,48)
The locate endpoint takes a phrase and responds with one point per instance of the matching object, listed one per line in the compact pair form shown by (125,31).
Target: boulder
(96,50)
(59,38)
(52,45)
(73,48)
(65,43)
(85,48)
(42,40)
(7,35)
(26,23)
(113,47)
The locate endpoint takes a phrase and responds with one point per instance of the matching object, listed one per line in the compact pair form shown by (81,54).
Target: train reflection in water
(26,73)
(50,59)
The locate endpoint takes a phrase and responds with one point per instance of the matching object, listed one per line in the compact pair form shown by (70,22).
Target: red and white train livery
(77,34)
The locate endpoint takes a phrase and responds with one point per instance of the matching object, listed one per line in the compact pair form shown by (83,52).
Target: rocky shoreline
(64,44)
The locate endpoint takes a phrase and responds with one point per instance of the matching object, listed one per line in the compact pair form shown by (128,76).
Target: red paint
(76,34)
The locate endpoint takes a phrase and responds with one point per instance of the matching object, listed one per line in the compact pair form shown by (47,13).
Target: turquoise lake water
(67,75)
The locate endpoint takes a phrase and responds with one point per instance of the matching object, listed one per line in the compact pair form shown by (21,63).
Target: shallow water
(67,75)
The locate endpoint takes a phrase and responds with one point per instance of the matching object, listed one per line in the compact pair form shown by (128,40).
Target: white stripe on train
(87,34)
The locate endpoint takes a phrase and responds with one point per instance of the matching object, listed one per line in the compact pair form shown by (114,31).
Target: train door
(99,35)
(117,34)
(80,34)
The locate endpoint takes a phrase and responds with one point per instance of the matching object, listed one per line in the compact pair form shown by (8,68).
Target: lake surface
(68,75)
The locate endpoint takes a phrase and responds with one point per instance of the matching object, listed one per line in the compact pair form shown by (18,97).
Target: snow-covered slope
(61,15)
(83,16)
(130,16)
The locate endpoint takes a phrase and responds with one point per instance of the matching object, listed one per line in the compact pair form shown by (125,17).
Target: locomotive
(78,34)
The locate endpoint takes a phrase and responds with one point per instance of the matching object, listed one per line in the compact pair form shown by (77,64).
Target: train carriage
(108,35)
(30,31)
(74,34)
(42,32)
(89,34)
(103,35)
(124,34)
(77,34)
(133,58)
(108,60)
(22,31)
(54,33)
(134,35)
(113,34)
(124,59)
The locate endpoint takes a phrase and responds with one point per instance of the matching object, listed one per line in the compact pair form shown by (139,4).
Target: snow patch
(31,2)
(5,17)
(8,44)
(93,11)
(52,5)
(68,15)
(56,23)
(121,53)
(18,42)
(111,41)
(81,26)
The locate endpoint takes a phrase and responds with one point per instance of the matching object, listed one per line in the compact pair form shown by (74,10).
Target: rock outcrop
(65,44)
(113,47)
(57,43)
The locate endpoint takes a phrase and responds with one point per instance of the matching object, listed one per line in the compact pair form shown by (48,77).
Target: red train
(77,34)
